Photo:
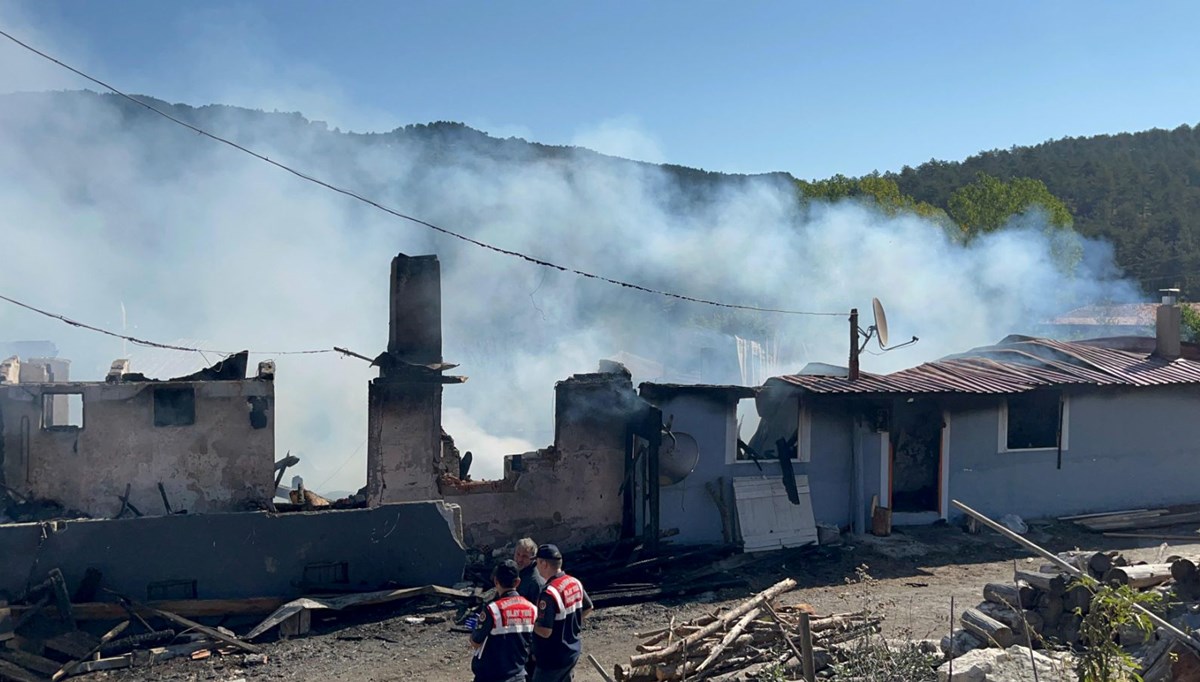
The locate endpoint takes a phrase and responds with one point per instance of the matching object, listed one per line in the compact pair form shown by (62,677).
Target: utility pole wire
(470,240)
(168,346)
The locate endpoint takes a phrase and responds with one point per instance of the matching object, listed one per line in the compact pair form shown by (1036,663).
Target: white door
(767,519)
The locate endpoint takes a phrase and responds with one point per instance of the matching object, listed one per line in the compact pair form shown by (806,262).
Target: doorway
(916,445)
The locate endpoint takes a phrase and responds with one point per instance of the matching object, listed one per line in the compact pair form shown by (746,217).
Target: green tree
(1191,322)
(882,192)
(988,203)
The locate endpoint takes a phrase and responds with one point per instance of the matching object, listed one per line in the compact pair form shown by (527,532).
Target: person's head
(506,576)
(549,561)
(524,553)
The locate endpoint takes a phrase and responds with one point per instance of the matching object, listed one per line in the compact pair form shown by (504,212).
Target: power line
(450,233)
(168,346)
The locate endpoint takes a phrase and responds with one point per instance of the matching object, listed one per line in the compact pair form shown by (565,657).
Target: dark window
(171,589)
(62,411)
(1033,420)
(327,573)
(174,406)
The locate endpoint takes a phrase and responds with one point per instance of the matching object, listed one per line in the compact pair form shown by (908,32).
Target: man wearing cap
(562,607)
(502,638)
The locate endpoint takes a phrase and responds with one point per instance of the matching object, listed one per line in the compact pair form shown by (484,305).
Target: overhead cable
(168,346)
(450,233)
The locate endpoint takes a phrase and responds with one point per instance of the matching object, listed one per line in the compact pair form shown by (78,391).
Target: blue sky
(809,88)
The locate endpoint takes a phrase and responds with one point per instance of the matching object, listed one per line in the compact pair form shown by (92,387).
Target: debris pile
(41,640)
(50,632)
(754,635)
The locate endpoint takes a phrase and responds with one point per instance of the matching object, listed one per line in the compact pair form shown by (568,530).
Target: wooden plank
(1154,536)
(189,608)
(10,672)
(112,663)
(74,645)
(33,662)
(1093,515)
(73,667)
(211,632)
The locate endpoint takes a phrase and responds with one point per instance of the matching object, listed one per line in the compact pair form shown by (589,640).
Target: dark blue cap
(549,552)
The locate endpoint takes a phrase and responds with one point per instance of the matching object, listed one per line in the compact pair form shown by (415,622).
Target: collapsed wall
(570,493)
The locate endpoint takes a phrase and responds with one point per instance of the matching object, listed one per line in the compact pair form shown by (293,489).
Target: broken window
(62,411)
(174,406)
(1031,421)
(759,439)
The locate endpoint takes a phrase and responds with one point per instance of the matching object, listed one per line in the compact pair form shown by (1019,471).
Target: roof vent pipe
(1168,326)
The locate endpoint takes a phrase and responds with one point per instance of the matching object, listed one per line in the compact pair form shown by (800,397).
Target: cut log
(729,637)
(1020,595)
(1024,624)
(1050,608)
(1139,577)
(1055,585)
(1184,570)
(1101,563)
(987,629)
(733,614)
(1078,599)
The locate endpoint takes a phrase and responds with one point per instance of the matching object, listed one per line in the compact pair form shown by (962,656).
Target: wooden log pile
(756,632)
(1046,607)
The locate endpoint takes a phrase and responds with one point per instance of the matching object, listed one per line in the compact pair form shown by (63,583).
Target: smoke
(104,206)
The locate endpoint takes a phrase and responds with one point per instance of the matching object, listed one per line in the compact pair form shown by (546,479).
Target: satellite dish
(677,458)
(880,322)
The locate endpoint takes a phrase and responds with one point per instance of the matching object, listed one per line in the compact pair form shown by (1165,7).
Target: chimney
(1168,325)
(415,333)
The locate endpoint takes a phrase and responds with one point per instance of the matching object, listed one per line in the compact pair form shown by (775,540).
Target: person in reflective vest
(562,608)
(502,637)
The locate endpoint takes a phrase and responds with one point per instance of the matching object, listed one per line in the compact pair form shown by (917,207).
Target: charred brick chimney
(415,332)
(1168,326)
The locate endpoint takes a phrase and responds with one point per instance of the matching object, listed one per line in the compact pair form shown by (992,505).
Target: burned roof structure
(1022,363)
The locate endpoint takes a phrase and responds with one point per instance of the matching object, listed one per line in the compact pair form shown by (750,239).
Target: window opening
(174,406)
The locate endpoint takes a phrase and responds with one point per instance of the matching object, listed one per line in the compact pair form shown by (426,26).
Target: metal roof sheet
(1018,364)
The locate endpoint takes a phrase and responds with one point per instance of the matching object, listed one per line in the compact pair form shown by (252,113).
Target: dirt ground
(914,574)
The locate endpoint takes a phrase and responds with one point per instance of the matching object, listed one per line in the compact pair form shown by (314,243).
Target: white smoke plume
(103,206)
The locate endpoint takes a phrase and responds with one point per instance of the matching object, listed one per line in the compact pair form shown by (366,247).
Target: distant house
(1028,426)
(1095,321)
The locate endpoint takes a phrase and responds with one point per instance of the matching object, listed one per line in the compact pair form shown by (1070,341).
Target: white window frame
(1002,434)
(803,440)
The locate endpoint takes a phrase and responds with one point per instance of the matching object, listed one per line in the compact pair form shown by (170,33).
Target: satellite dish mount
(877,331)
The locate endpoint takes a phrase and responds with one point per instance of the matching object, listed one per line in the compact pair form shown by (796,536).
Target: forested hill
(1140,191)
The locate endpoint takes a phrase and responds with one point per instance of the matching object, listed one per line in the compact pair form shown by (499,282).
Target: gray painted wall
(1126,448)
(688,506)
(250,554)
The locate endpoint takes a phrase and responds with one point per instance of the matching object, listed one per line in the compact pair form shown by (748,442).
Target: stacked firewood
(756,632)
(1047,606)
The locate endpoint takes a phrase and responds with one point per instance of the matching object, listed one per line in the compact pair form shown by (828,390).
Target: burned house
(1028,426)
(165,489)
(579,490)
(201,443)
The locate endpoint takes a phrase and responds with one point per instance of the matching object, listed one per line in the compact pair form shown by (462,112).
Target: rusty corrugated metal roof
(1018,364)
